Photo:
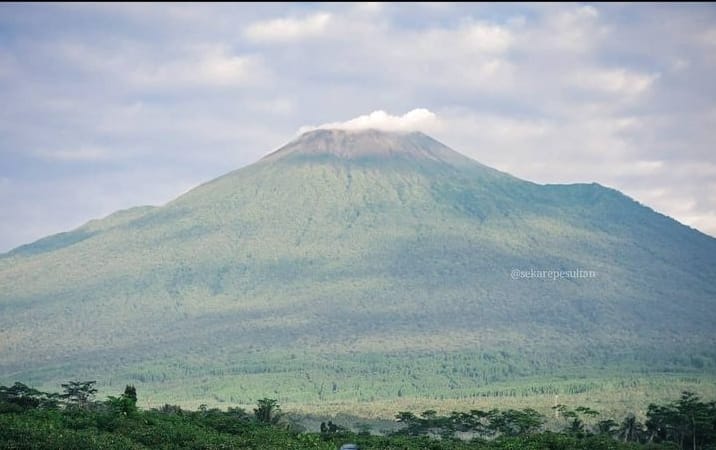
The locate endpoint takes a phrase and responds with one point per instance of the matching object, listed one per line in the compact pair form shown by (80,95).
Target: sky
(105,107)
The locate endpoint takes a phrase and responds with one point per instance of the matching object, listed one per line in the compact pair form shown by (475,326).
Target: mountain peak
(364,144)
(368,246)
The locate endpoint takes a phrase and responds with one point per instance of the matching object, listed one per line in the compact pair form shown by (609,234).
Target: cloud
(191,65)
(419,119)
(288,29)
(568,93)
(615,81)
(569,30)
(219,68)
(709,36)
(368,7)
(487,37)
(201,67)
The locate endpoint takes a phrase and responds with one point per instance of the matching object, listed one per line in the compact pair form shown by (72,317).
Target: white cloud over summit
(419,119)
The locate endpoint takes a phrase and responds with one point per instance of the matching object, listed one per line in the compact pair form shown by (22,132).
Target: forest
(74,418)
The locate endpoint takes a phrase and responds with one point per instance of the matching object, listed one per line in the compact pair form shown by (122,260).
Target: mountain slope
(343,248)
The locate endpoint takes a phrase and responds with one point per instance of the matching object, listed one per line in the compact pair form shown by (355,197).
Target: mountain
(355,265)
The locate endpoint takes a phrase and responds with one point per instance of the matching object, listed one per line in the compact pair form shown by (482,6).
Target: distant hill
(356,265)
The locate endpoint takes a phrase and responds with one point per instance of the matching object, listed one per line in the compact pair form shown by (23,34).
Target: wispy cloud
(190,65)
(485,37)
(614,81)
(206,67)
(289,28)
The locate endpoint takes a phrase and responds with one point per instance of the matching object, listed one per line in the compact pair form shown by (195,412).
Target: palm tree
(630,429)
(268,411)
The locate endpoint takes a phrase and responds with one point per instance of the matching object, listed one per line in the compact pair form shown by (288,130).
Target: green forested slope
(380,260)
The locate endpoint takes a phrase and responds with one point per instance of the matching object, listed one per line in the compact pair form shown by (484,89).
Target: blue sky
(105,107)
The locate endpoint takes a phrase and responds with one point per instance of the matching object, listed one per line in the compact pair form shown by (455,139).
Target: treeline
(32,419)
(687,422)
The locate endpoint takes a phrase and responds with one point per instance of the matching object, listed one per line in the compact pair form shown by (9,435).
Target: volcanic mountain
(366,262)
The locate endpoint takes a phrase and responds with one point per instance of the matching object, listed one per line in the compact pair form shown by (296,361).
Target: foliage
(101,425)
(20,397)
(78,394)
(687,421)
(126,404)
(484,424)
(268,411)
(576,418)
(631,430)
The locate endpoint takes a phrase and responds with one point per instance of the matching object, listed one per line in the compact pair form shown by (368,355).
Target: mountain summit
(345,254)
(348,144)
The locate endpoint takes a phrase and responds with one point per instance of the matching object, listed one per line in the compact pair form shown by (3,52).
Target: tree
(78,393)
(687,421)
(476,421)
(433,424)
(608,427)
(125,404)
(412,422)
(131,392)
(575,418)
(696,417)
(171,409)
(22,397)
(664,424)
(630,429)
(268,411)
(429,423)
(516,423)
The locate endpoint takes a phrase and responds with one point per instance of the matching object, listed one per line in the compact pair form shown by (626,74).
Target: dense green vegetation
(364,268)
(31,419)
